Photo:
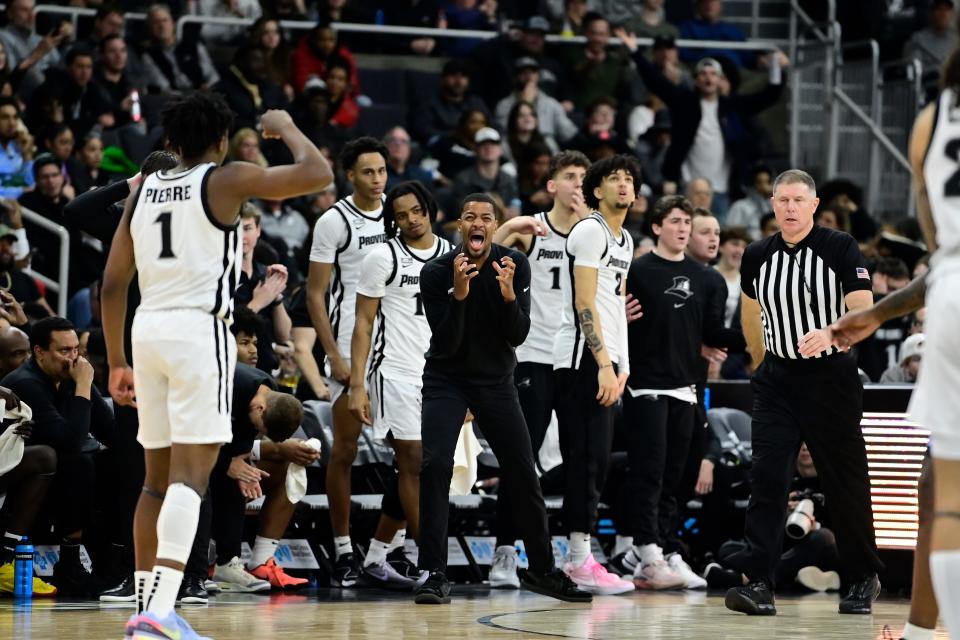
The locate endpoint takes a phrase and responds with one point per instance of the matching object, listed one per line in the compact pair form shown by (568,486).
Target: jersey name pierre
(167,194)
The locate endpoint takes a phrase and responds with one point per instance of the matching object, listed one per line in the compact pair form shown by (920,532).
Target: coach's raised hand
(505,277)
(463,272)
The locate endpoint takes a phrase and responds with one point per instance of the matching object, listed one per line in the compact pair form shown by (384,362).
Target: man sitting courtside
(71,417)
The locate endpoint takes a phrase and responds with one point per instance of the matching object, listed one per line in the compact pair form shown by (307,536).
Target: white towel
(11,445)
(297,477)
(465,462)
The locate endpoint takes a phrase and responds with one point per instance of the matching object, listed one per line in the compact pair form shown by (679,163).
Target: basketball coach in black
(477,301)
(795,284)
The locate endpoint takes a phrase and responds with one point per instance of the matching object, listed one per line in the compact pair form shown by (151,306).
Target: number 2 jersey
(941,171)
(401,336)
(592,243)
(185,258)
(548,263)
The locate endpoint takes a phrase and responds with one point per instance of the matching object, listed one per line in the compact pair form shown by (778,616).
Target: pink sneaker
(593,578)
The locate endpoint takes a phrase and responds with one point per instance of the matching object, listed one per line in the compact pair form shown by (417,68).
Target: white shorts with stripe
(396,407)
(183,364)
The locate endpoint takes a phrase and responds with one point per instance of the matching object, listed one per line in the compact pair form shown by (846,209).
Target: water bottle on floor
(23,570)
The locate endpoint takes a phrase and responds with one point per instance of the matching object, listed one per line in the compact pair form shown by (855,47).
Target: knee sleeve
(177,523)
(390,505)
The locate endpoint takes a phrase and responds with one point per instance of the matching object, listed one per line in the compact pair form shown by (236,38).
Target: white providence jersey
(941,170)
(401,336)
(591,243)
(185,258)
(342,237)
(548,262)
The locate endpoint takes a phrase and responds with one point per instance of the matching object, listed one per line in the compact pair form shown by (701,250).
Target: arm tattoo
(589,332)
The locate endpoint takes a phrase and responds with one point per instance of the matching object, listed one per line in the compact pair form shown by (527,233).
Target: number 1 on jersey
(164,220)
(556,277)
(419,298)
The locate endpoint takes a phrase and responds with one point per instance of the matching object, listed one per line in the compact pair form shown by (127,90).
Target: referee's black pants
(585,428)
(819,402)
(534,382)
(497,410)
(659,430)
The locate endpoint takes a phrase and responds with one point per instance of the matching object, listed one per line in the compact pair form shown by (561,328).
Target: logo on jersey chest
(406,261)
(680,289)
(549,254)
(366,241)
(411,280)
(618,264)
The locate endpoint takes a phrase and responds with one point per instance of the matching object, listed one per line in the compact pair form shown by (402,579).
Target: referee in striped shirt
(795,284)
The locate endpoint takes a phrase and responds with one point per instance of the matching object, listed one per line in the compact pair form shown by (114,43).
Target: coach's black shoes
(555,584)
(435,590)
(192,590)
(123,592)
(755,599)
(860,597)
(346,571)
(72,579)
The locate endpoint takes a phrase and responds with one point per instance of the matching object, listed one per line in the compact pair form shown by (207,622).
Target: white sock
(166,586)
(912,632)
(177,523)
(377,552)
(263,550)
(623,543)
(342,545)
(579,547)
(648,553)
(945,574)
(399,539)
(142,580)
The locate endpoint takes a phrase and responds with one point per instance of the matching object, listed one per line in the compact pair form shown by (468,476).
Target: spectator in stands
(933,44)
(84,165)
(312,115)
(25,486)
(58,141)
(652,22)
(22,287)
(399,167)
(248,89)
(708,24)
(411,13)
(22,42)
(595,70)
(523,131)
(747,211)
(344,112)
(14,350)
(768,225)
(843,195)
(598,129)
(280,221)
(108,21)
(618,11)
(314,53)
(832,218)
(652,149)
(172,66)
(496,61)
(295,9)
(457,151)
(570,22)
(439,116)
(666,58)
(222,33)
(878,352)
(552,118)
(905,372)
(267,34)
(261,289)
(11,74)
(486,175)
(472,15)
(733,242)
(16,161)
(246,326)
(710,136)
(71,417)
(889,275)
(12,215)
(699,193)
(114,81)
(245,147)
(533,171)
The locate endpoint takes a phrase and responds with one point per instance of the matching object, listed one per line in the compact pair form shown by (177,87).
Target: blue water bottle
(23,570)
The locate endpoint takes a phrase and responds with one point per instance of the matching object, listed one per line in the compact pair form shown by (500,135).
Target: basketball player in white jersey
(390,307)
(591,359)
(179,233)
(543,237)
(935,157)
(343,236)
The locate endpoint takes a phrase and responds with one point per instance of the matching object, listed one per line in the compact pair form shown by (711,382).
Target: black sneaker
(124,592)
(623,564)
(192,590)
(401,564)
(719,577)
(554,584)
(346,571)
(436,590)
(860,597)
(755,599)
(73,580)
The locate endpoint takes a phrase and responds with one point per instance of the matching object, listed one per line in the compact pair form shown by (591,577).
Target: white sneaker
(234,577)
(382,574)
(656,574)
(693,581)
(503,571)
(212,586)
(815,579)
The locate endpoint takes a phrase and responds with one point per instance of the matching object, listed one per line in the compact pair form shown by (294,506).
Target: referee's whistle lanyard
(798,265)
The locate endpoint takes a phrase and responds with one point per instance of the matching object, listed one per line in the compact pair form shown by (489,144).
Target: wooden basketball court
(475,613)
